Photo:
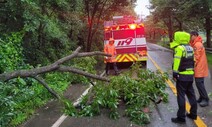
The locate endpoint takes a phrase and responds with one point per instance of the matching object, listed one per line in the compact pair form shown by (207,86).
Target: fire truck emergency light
(132,26)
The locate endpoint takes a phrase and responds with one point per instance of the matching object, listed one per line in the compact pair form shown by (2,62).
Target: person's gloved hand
(175,76)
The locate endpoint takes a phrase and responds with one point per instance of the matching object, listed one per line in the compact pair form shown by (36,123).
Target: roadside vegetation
(20,97)
(209,56)
(163,41)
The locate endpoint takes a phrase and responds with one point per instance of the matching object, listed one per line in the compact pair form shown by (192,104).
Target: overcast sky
(141,8)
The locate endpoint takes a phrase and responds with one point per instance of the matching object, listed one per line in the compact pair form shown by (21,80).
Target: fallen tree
(56,66)
(134,94)
(126,93)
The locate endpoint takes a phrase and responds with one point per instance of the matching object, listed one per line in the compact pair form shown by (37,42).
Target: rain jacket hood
(201,64)
(198,39)
(180,38)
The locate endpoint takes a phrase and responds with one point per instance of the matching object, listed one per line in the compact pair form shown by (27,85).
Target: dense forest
(36,33)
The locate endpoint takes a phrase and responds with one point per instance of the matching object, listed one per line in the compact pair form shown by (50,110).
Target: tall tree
(164,11)
(202,10)
(97,10)
(184,15)
(48,30)
(153,28)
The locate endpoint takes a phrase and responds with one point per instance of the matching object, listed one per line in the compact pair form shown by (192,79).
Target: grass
(209,56)
(164,42)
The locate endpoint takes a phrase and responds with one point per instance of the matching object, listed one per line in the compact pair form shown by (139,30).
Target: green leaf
(21,81)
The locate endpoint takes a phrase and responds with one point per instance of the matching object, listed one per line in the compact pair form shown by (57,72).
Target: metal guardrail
(208,50)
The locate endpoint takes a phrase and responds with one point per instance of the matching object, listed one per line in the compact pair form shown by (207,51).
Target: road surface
(159,57)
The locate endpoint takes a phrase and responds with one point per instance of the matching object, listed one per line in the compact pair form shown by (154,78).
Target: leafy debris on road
(134,93)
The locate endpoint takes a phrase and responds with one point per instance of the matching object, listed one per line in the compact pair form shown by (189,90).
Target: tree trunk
(150,34)
(154,34)
(40,34)
(208,31)
(180,26)
(93,19)
(170,29)
(88,46)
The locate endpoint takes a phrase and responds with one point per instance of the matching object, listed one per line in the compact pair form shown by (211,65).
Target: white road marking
(63,117)
(59,121)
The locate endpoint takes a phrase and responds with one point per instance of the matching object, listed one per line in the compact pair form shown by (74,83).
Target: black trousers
(108,67)
(185,88)
(201,88)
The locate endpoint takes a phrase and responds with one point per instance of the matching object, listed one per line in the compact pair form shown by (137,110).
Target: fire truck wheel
(143,64)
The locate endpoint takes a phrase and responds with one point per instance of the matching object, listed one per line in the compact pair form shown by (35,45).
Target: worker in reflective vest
(110,49)
(183,73)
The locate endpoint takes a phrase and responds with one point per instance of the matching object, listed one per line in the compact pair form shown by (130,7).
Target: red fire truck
(130,41)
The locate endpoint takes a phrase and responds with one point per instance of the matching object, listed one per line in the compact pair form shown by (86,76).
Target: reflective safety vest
(187,60)
(183,60)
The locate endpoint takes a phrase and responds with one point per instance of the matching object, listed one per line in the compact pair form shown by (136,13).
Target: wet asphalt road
(163,57)
(160,114)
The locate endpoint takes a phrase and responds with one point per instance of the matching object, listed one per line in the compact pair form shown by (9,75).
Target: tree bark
(77,71)
(170,28)
(54,67)
(180,26)
(208,31)
(42,81)
(97,22)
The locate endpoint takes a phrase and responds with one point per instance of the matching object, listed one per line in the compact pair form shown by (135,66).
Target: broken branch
(75,70)
(42,81)
(55,66)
